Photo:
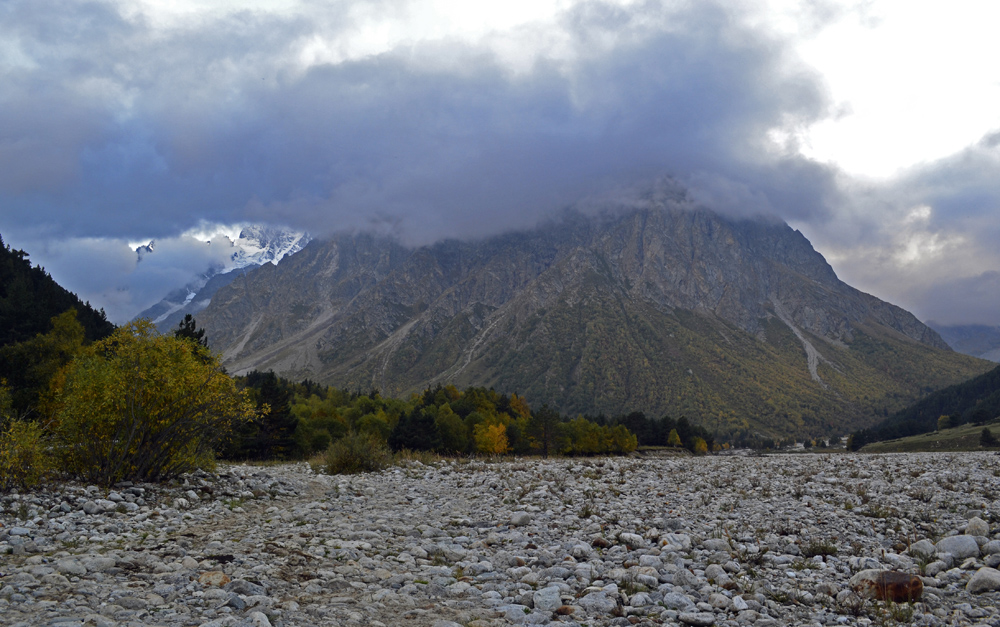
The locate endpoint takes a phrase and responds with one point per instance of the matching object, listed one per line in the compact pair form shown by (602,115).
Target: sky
(872,126)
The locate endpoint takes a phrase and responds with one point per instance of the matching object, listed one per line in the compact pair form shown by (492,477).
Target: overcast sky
(874,127)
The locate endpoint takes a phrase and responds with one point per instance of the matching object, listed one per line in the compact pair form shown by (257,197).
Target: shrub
(24,455)
(144,407)
(987,439)
(355,453)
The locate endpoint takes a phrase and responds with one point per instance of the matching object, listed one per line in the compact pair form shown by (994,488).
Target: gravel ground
(736,540)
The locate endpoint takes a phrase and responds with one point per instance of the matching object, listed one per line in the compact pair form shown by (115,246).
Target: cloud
(115,279)
(128,129)
(925,240)
(122,120)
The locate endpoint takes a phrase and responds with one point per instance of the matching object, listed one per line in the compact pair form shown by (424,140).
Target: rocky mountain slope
(738,324)
(255,246)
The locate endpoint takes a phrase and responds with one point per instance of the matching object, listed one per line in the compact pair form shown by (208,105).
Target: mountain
(30,298)
(255,246)
(976,400)
(738,324)
(971,339)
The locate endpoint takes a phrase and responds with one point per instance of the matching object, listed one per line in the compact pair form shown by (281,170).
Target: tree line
(143,406)
(976,401)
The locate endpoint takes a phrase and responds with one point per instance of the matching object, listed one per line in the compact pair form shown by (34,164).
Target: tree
(454,435)
(944,422)
(28,366)
(674,439)
(491,439)
(416,431)
(987,439)
(187,329)
(140,406)
(544,428)
(271,432)
(699,446)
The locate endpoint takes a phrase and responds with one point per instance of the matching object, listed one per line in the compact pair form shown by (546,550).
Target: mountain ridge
(977,340)
(256,245)
(664,308)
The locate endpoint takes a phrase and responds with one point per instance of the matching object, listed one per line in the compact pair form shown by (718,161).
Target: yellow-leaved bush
(143,407)
(24,457)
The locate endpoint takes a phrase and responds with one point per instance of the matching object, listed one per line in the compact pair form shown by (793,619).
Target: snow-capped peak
(259,244)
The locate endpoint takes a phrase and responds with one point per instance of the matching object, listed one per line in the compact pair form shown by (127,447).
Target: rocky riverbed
(700,541)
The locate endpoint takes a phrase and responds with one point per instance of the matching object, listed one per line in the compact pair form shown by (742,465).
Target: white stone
(547,599)
(985,579)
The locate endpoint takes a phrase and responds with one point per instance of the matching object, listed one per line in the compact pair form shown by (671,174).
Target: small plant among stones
(819,547)
(889,614)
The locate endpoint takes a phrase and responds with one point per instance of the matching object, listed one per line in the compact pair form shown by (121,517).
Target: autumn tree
(491,439)
(143,407)
(944,422)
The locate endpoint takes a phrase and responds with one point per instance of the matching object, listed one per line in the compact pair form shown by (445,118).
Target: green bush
(24,456)
(353,454)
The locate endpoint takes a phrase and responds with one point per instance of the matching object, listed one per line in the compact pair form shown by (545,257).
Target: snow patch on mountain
(256,245)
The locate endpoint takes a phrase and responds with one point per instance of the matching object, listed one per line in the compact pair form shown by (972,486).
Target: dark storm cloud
(114,127)
(109,127)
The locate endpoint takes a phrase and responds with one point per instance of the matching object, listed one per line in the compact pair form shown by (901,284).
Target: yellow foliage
(491,439)
(24,458)
(141,406)
(520,406)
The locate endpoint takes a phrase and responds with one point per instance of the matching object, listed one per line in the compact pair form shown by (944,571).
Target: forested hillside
(976,400)
(29,298)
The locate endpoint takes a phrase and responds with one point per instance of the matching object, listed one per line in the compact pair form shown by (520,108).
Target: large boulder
(958,547)
(985,579)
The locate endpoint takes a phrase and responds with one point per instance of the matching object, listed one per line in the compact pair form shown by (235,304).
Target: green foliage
(271,433)
(454,435)
(417,431)
(987,439)
(583,437)
(187,329)
(29,366)
(544,429)
(24,456)
(355,453)
(143,407)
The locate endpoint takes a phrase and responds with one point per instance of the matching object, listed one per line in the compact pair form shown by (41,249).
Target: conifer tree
(187,329)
